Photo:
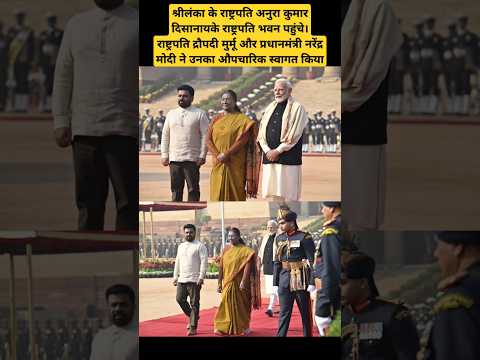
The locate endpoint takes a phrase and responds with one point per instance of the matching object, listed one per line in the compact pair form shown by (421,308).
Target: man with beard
(190,270)
(95,104)
(455,329)
(120,340)
(183,145)
(372,328)
(280,137)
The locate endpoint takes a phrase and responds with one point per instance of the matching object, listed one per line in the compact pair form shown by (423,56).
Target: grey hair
(284,81)
(272,222)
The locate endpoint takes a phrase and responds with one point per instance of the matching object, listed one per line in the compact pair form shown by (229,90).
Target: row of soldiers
(438,67)
(167,248)
(150,130)
(27,64)
(322,133)
(62,341)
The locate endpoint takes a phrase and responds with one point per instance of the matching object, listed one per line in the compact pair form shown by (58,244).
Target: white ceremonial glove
(275,290)
(311,288)
(322,323)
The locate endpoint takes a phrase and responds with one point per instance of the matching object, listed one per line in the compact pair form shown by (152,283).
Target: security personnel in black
(327,267)
(306,134)
(454,332)
(431,66)
(62,338)
(415,46)
(75,342)
(87,337)
(319,131)
(48,46)
(331,134)
(372,328)
(3,67)
(335,129)
(451,63)
(292,272)
(312,130)
(398,69)
(21,52)
(49,341)
(23,341)
(465,51)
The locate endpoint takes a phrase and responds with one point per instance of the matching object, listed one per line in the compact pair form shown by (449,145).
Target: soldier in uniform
(147,129)
(327,267)
(49,341)
(75,341)
(465,52)
(310,132)
(331,134)
(430,67)
(158,127)
(451,64)
(415,46)
(306,135)
(454,332)
(320,132)
(293,278)
(398,69)
(48,46)
(87,337)
(335,129)
(23,341)
(20,55)
(372,328)
(62,338)
(3,68)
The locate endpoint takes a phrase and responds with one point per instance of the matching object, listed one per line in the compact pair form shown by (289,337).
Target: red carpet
(260,324)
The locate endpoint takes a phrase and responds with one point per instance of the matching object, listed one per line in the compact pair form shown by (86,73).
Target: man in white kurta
(266,256)
(280,135)
(120,340)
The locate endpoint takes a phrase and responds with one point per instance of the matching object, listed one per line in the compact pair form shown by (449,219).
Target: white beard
(282,99)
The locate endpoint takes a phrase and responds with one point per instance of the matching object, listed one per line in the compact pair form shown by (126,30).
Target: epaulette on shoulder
(307,235)
(400,310)
(389,301)
(329,231)
(452,301)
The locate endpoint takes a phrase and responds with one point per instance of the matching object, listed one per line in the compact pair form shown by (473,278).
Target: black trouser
(286,299)
(49,71)
(192,310)
(395,82)
(181,172)
(96,160)
(430,81)
(21,71)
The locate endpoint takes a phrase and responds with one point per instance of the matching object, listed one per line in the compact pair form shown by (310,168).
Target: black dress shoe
(269,312)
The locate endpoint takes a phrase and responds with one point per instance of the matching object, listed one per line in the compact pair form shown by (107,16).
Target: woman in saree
(236,160)
(239,285)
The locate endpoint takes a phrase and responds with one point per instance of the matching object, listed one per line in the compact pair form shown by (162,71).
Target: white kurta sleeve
(63,83)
